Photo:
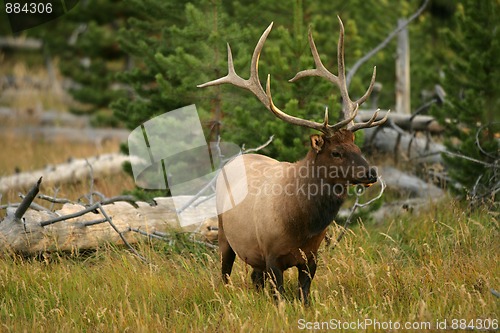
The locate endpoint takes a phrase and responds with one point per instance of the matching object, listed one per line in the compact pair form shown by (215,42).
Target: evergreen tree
(175,46)
(471,82)
(287,52)
(85,41)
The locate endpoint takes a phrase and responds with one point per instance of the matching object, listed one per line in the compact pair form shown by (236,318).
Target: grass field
(28,154)
(420,269)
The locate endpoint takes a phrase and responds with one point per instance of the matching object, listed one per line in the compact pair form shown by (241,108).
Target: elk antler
(350,107)
(322,127)
(253,85)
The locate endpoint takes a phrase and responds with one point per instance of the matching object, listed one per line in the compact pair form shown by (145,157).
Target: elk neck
(317,199)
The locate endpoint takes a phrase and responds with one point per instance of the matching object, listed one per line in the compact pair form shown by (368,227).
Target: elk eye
(336,154)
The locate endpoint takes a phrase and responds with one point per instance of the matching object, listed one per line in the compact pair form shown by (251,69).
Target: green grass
(434,266)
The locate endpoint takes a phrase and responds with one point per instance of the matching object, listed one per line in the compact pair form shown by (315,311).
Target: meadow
(433,269)
(420,269)
(426,268)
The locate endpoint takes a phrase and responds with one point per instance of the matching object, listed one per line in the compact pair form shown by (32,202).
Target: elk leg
(258,279)
(306,274)
(227,255)
(276,275)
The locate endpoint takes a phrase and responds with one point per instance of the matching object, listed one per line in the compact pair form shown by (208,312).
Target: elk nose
(372,175)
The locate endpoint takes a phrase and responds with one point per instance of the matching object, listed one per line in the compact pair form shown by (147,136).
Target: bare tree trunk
(403,71)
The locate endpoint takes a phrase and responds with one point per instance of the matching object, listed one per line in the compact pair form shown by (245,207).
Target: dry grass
(27,154)
(438,265)
(434,266)
(32,153)
(33,89)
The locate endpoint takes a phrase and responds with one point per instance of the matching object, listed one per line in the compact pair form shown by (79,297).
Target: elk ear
(317,142)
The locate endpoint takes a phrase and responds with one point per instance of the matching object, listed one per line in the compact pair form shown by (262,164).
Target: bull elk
(284,217)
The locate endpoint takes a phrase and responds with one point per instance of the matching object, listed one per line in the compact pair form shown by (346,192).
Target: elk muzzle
(363,174)
(372,176)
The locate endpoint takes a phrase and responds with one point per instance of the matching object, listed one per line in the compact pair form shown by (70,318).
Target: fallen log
(396,209)
(403,145)
(78,227)
(20,43)
(400,208)
(404,121)
(69,172)
(409,185)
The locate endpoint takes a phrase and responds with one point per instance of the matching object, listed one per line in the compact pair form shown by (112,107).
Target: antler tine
(254,66)
(349,107)
(346,121)
(371,122)
(252,83)
(291,119)
(231,76)
(320,69)
(368,92)
(325,121)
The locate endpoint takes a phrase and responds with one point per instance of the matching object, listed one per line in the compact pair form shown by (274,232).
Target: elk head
(335,146)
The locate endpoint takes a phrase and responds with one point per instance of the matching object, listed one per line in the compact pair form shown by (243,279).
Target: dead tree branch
(356,206)
(54,200)
(106,216)
(383,44)
(25,204)
(256,149)
(36,206)
(478,143)
(486,164)
(84,226)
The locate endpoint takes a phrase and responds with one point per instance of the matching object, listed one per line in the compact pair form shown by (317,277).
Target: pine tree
(287,51)
(471,82)
(175,46)
(85,43)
